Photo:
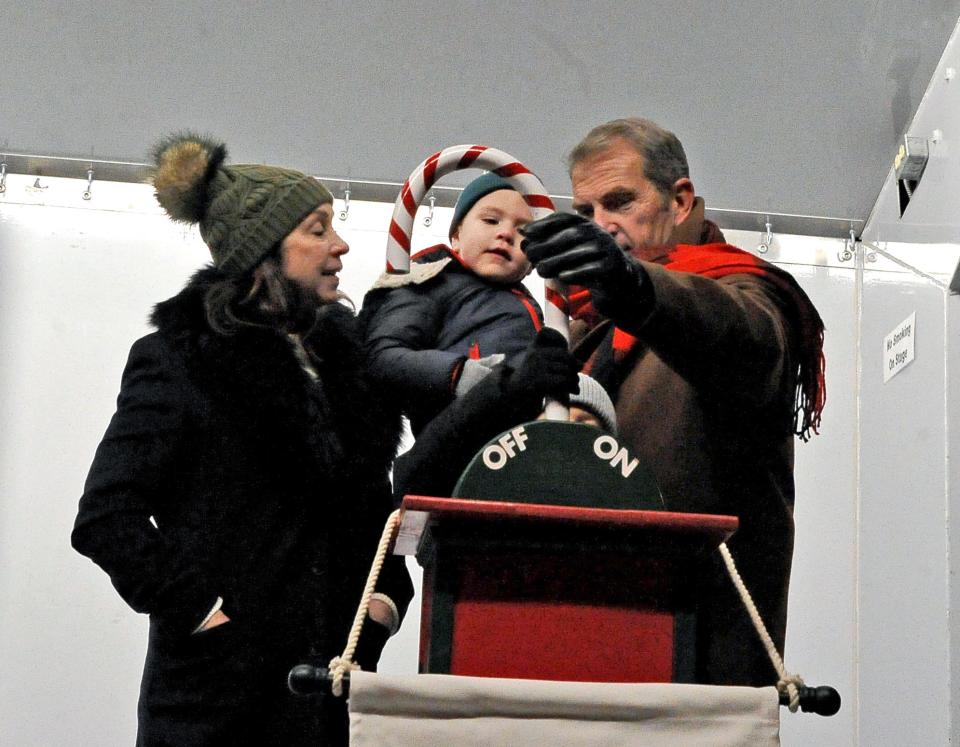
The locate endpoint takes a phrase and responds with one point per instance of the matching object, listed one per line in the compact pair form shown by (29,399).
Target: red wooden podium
(558,592)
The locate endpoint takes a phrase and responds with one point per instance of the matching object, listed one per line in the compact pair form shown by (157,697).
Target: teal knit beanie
(244,211)
(474,192)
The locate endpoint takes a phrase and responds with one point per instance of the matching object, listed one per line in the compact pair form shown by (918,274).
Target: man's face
(610,189)
(487,240)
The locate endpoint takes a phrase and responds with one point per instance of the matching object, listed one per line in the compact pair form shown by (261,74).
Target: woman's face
(310,254)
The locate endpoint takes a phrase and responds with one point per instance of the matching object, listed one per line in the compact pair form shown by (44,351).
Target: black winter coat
(227,471)
(419,329)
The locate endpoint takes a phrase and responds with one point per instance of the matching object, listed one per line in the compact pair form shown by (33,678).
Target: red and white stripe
(455,158)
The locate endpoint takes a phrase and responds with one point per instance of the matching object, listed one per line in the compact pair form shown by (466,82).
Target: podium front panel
(610,598)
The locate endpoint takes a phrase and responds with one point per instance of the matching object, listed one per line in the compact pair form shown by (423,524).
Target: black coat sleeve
(446,445)
(149,566)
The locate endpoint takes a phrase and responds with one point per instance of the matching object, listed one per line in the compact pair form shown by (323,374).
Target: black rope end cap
(823,700)
(306,679)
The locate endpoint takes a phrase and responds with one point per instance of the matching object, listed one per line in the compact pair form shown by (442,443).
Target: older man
(713,357)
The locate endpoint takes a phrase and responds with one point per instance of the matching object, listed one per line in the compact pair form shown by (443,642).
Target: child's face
(578,415)
(487,239)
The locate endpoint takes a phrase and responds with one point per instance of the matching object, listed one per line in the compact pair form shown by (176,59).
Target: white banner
(432,710)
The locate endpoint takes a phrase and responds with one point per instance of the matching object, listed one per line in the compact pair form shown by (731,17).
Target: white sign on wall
(898,347)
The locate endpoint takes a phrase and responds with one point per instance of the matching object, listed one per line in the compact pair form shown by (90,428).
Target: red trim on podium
(419,511)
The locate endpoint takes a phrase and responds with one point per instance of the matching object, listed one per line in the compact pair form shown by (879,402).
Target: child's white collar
(420,272)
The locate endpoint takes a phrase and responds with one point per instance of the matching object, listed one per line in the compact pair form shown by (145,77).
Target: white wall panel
(77,286)
(952,483)
(821,631)
(903,589)
(77,281)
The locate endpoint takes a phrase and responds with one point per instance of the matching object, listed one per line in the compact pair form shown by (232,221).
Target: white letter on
(625,467)
(605,447)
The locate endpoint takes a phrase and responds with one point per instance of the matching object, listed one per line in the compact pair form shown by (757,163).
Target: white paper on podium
(433,710)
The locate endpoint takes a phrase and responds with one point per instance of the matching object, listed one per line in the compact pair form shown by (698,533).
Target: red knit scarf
(720,260)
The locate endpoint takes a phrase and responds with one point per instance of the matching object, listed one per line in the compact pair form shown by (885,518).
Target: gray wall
(783,107)
(932,215)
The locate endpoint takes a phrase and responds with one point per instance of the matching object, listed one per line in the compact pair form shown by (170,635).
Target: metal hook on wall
(346,204)
(766,241)
(428,221)
(87,193)
(849,247)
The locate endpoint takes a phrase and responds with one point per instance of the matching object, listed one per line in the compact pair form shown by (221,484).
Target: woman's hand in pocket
(218,618)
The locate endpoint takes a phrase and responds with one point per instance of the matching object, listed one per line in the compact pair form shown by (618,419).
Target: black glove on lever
(575,250)
(547,370)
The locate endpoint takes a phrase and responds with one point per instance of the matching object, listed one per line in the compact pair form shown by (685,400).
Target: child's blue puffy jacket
(420,327)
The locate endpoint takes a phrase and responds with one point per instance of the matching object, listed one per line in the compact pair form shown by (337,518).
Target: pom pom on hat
(185,164)
(244,210)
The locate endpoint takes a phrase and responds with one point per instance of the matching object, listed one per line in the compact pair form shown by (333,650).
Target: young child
(434,333)
(593,406)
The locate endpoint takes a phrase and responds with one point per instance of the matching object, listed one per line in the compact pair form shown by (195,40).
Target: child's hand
(547,370)
(475,371)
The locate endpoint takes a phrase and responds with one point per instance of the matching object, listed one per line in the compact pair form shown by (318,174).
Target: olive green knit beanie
(244,211)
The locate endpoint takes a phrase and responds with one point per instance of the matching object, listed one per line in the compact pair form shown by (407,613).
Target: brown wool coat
(706,399)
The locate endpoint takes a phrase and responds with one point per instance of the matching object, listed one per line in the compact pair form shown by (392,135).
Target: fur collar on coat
(257,372)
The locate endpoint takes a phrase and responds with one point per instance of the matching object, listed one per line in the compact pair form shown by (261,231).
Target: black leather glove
(547,370)
(576,250)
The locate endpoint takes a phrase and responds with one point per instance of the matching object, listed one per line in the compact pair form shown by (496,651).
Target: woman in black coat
(241,487)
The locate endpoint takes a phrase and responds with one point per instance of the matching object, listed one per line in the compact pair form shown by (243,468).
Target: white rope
(788,682)
(340,665)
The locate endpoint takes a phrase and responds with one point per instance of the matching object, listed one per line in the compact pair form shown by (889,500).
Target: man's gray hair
(664,160)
